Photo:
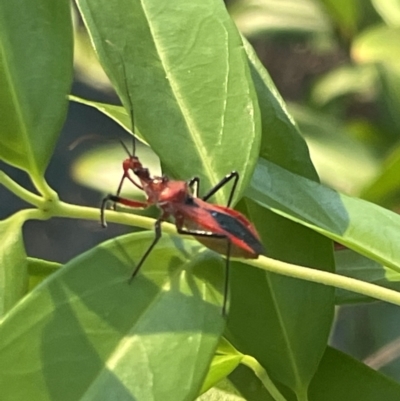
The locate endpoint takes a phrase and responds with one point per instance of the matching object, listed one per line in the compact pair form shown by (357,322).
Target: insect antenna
(131,112)
(131,115)
(132,120)
(125,148)
(89,137)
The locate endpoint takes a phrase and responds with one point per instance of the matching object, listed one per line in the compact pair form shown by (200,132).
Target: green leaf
(352,264)
(40,269)
(188,78)
(360,225)
(35,77)
(221,367)
(13,265)
(116,113)
(226,360)
(341,377)
(86,334)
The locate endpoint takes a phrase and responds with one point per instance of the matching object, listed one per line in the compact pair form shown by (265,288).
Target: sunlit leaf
(13,265)
(91,335)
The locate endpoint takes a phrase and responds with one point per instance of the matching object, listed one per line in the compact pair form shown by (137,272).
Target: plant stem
(302,395)
(326,278)
(41,185)
(57,208)
(261,373)
(62,209)
(20,191)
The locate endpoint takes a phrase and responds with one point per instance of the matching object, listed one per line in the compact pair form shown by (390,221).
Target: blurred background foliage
(337,65)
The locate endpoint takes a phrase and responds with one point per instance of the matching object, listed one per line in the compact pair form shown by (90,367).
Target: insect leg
(232,175)
(126,175)
(158,233)
(118,199)
(194,184)
(133,181)
(197,233)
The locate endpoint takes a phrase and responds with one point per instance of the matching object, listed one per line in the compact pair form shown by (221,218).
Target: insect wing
(203,216)
(241,232)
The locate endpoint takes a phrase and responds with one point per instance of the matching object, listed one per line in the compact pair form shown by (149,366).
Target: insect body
(220,228)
